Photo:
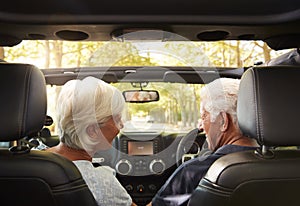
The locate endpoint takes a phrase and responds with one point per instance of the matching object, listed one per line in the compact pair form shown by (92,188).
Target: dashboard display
(140,148)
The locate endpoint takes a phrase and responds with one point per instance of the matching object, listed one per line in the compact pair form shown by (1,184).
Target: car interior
(159,54)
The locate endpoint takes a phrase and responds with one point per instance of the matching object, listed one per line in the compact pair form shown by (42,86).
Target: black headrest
(268,107)
(23,101)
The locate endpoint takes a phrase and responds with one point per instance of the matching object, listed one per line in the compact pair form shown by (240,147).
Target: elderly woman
(89,118)
(218,113)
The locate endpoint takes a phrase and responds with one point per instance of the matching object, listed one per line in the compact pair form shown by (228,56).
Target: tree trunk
(267,52)
(47,54)
(223,54)
(238,55)
(2,56)
(189,112)
(79,48)
(58,52)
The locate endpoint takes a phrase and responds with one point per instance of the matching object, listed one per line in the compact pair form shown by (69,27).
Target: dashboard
(143,162)
(139,157)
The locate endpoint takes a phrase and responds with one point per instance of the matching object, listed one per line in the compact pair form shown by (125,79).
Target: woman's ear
(225,121)
(92,131)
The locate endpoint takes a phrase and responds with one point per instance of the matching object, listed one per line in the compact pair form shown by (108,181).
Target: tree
(267,52)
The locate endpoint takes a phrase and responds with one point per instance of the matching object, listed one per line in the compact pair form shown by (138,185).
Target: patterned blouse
(102,182)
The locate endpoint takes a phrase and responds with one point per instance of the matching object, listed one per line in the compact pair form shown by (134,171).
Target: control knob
(123,167)
(157,166)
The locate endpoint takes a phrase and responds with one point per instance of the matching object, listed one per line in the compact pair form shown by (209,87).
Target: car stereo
(139,157)
(140,148)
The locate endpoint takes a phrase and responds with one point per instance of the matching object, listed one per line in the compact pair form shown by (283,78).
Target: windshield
(178,107)
(176,111)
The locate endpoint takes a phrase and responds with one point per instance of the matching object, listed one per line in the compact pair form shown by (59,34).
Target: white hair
(219,96)
(82,103)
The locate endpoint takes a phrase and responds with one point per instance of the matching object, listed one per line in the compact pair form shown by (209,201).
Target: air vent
(247,37)
(72,35)
(212,35)
(8,40)
(37,36)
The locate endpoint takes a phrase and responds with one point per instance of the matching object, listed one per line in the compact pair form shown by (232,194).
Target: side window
(5,144)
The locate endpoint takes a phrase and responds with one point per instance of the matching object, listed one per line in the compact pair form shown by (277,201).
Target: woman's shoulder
(103,183)
(87,167)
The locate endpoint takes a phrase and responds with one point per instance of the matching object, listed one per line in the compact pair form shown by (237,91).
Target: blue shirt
(180,185)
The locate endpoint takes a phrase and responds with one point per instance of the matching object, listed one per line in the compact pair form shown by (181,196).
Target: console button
(152,187)
(129,188)
(140,188)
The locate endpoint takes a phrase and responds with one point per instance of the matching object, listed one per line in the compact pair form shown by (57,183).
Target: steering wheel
(192,144)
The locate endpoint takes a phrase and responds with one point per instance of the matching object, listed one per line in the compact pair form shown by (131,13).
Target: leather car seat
(31,177)
(268,110)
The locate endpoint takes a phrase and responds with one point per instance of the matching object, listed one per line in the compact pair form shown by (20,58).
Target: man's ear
(225,121)
(93,131)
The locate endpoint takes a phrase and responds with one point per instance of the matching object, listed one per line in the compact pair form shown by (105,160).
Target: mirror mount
(140,85)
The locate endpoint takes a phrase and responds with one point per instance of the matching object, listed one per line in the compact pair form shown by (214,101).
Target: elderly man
(218,113)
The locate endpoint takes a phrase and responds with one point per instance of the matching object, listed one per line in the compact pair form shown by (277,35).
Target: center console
(140,167)
(138,157)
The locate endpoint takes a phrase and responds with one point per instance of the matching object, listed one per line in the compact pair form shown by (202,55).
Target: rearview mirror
(141,96)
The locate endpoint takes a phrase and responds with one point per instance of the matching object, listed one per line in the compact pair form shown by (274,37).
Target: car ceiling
(273,21)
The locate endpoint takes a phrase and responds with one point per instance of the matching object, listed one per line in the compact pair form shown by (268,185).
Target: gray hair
(82,103)
(220,96)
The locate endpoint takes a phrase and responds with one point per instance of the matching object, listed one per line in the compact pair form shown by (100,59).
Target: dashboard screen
(140,148)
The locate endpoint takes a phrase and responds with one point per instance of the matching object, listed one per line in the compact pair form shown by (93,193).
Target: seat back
(30,178)
(268,110)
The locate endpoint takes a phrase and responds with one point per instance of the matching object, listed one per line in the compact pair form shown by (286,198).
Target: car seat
(31,177)
(268,110)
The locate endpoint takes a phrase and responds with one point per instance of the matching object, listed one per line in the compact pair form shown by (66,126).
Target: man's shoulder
(227,149)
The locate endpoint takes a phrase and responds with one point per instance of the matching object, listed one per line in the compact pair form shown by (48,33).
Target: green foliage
(118,54)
